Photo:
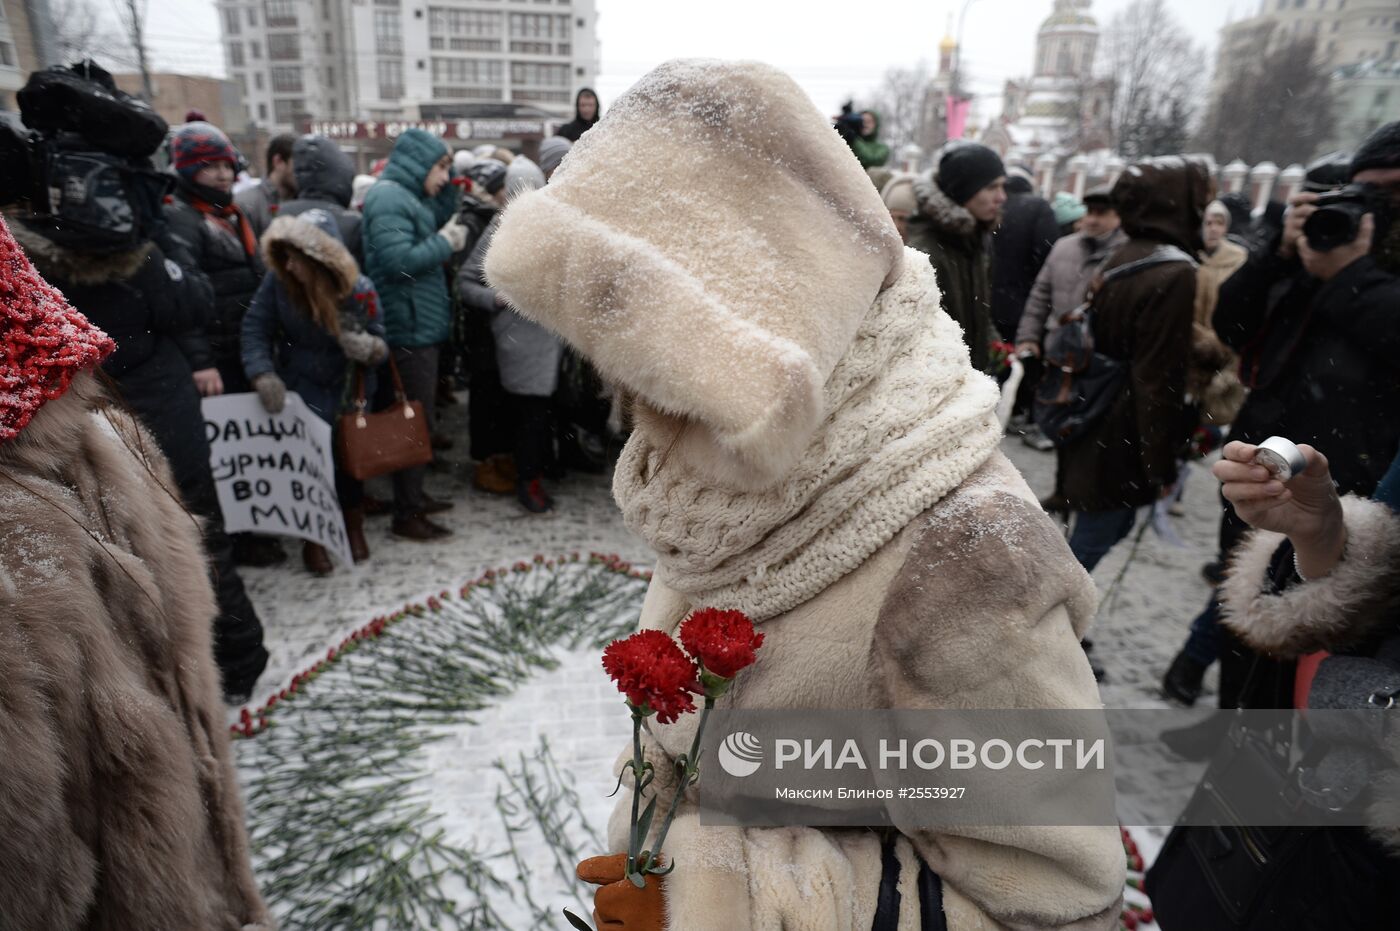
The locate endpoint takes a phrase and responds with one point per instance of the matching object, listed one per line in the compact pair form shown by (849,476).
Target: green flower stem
(634,843)
(692,772)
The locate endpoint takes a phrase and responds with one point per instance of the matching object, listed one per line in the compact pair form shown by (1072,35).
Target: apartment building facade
(392,60)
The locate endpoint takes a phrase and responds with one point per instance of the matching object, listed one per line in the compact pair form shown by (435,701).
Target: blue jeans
(1203,644)
(1097,532)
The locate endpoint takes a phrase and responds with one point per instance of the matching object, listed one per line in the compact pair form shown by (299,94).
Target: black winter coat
(1322,360)
(1019,247)
(234,276)
(145,301)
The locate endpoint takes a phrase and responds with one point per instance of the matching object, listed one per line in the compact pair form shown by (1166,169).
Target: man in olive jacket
(959,206)
(410,229)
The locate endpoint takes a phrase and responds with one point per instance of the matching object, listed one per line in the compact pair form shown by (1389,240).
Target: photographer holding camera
(1315,317)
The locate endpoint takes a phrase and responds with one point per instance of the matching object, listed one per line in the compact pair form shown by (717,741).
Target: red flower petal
(724,642)
(655,675)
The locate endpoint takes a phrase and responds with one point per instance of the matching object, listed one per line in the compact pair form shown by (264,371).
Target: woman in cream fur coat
(813,448)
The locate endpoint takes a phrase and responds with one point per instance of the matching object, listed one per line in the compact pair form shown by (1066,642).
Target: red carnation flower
(723,641)
(653,673)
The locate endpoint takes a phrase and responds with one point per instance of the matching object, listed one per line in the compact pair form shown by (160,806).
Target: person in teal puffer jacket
(410,229)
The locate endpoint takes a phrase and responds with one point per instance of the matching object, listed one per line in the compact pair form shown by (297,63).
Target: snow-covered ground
(574,707)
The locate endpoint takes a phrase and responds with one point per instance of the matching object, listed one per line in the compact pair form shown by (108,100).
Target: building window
(388,33)
(281,13)
(1382,97)
(255,50)
(242,81)
(390,74)
(531,74)
(235,54)
(286,79)
(330,43)
(538,26)
(284,46)
(232,24)
(257,80)
(287,111)
(474,23)
(262,111)
(467,71)
(252,16)
(7,54)
(330,77)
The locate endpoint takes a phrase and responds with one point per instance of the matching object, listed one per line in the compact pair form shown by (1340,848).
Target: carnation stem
(634,843)
(692,767)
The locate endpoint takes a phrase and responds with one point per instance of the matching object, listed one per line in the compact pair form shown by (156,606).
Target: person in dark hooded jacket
(1128,458)
(587,111)
(1019,247)
(325,181)
(148,298)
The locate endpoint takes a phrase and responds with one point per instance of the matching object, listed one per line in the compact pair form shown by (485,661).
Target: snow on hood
(712,245)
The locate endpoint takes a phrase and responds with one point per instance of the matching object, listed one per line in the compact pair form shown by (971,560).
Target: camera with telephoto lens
(1337,219)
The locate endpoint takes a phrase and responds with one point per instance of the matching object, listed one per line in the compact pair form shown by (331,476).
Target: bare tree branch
(1158,74)
(79,32)
(1277,107)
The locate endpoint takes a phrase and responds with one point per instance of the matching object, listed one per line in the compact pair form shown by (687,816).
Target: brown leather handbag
(394,439)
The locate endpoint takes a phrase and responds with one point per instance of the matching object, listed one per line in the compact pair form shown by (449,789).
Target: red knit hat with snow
(44,342)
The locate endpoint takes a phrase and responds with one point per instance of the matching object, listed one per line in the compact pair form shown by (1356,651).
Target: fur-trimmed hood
(939,210)
(56,262)
(314,234)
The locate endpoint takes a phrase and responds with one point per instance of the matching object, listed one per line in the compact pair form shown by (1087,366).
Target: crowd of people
(1137,328)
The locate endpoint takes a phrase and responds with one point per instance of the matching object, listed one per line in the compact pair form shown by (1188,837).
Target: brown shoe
(375,507)
(418,528)
(316,559)
(505,465)
(433,505)
(355,534)
(490,478)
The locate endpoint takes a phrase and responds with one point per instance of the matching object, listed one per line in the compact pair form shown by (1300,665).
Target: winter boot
(1182,682)
(495,475)
(316,559)
(417,527)
(532,497)
(355,534)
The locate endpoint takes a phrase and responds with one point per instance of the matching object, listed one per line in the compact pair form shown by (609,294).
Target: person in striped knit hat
(203,216)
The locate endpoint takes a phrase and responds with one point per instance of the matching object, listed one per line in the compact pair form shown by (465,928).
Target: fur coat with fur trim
(812,447)
(119,808)
(959,248)
(911,628)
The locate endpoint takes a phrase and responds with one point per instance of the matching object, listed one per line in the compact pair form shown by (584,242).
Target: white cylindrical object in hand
(1281,457)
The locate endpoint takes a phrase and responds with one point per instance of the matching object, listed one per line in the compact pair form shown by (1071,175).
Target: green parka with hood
(869,150)
(404,256)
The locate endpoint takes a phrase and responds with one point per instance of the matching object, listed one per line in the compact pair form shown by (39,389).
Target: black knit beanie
(967,169)
(1380,150)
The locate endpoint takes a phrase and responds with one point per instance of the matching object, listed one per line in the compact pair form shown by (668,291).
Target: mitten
(618,904)
(362,347)
(455,233)
(272,392)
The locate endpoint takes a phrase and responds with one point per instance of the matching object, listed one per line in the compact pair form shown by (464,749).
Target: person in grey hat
(552,152)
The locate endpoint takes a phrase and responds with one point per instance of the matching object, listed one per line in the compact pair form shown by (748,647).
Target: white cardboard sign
(275,473)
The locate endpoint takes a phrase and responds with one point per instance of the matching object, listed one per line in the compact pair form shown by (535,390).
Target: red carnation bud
(655,675)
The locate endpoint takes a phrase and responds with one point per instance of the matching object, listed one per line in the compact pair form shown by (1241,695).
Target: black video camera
(1337,219)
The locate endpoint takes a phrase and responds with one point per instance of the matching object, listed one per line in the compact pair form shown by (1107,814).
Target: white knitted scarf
(908,419)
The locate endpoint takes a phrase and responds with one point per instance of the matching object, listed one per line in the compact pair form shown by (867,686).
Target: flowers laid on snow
(659,678)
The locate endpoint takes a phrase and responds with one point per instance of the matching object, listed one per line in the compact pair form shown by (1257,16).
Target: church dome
(1069,13)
